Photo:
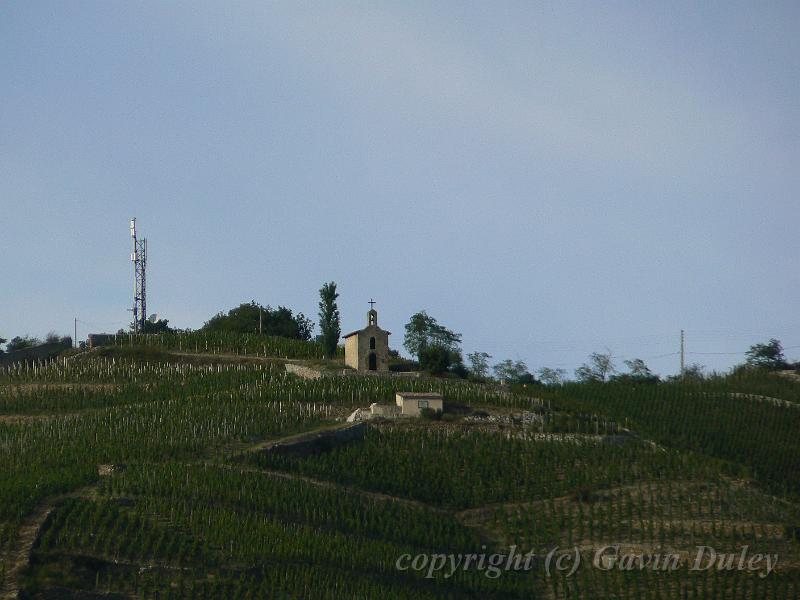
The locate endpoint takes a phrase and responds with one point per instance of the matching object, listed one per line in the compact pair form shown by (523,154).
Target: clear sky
(547,179)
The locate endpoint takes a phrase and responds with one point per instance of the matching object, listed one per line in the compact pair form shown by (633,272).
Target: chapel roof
(352,333)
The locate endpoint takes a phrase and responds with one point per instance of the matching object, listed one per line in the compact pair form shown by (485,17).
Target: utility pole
(75,337)
(683,352)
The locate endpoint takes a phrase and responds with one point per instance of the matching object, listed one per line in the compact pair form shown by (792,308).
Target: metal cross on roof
(371,303)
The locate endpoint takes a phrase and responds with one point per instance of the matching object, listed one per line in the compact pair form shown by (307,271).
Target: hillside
(172,470)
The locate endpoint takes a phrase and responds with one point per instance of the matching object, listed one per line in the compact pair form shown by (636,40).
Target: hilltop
(197,466)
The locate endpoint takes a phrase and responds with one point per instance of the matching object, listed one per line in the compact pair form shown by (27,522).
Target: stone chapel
(368,349)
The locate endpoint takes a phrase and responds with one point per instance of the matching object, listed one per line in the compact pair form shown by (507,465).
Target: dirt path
(21,419)
(265,445)
(768,399)
(17,388)
(237,358)
(295,437)
(323,483)
(23,387)
(17,559)
(16,419)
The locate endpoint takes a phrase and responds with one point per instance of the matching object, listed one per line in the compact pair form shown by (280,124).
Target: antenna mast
(139,260)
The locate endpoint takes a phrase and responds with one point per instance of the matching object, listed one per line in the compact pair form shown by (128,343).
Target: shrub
(431,414)
(434,359)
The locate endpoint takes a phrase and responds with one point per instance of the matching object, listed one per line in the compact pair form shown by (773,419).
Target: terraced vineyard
(151,474)
(224,343)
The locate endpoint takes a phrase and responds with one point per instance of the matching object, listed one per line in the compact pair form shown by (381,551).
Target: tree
(638,368)
(600,366)
(159,326)
(2,341)
(433,344)
(418,333)
(431,414)
(479,364)
(692,372)
(457,366)
(550,376)
(422,331)
(437,359)
(512,371)
(252,318)
(305,327)
(329,323)
(767,356)
(22,342)
(638,372)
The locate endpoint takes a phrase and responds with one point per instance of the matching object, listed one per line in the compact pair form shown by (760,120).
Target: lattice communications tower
(139,260)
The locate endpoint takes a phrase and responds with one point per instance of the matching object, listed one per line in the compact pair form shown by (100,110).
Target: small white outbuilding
(412,403)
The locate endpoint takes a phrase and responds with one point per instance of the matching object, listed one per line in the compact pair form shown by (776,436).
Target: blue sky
(547,179)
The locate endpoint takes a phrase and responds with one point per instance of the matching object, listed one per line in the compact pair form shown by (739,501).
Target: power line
(717,353)
(101,322)
(735,353)
(660,356)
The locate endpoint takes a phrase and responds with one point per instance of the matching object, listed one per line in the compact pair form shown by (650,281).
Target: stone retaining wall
(312,373)
(304,372)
